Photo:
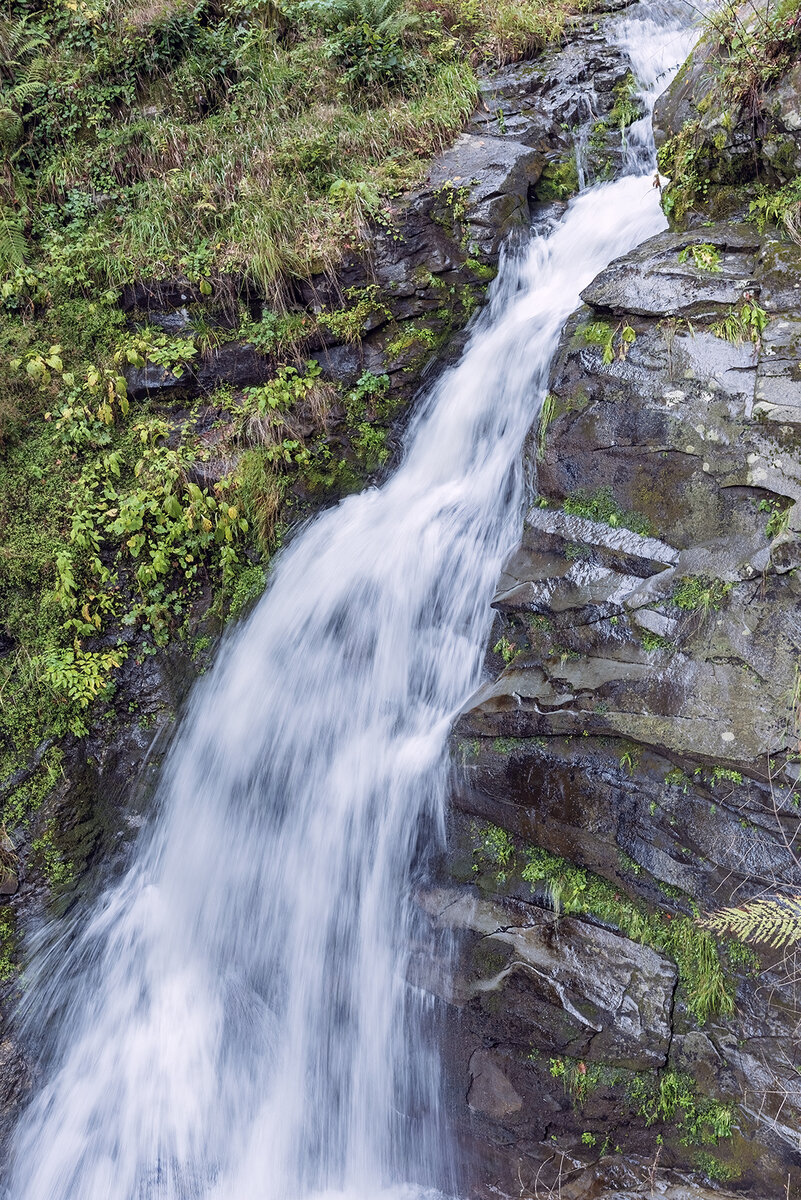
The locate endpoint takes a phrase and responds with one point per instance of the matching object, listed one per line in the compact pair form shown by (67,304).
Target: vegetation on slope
(239,147)
(733,144)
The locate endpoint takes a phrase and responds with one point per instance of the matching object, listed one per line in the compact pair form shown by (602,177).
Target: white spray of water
(233,1021)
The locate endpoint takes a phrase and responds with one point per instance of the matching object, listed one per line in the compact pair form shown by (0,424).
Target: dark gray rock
(653,281)
(496,174)
(649,743)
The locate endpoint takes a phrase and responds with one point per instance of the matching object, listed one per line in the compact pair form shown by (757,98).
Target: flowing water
(233,1020)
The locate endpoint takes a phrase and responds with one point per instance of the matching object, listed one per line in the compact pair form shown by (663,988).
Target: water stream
(233,1020)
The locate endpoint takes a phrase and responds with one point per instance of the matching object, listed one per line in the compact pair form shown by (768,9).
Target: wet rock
(490,1091)
(616,1009)
(654,281)
(496,174)
(540,103)
(640,725)
(730,149)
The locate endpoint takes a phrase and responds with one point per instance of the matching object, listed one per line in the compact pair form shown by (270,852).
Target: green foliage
(9,943)
(58,871)
(652,642)
(493,850)
(370,446)
(369,39)
(714,1169)
(718,775)
(601,506)
(696,593)
(574,891)
(672,1098)
(615,342)
(743,956)
(276,333)
(81,675)
(248,586)
(559,180)
(744,324)
(547,413)
(13,244)
(778,206)
(507,745)
(506,648)
(774,921)
(779,518)
(690,161)
(626,108)
(705,256)
(286,389)
(364,305)
(755,48)
(579,1078)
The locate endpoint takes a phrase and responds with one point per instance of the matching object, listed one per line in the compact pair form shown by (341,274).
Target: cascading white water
(233,1021)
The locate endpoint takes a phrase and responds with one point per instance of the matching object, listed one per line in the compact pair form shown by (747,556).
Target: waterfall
(233,1019)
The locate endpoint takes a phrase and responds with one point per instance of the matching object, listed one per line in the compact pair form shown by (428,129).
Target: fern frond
(13,246)
(773,921)
(24,91)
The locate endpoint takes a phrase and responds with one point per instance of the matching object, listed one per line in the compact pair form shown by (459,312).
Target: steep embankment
(633,758)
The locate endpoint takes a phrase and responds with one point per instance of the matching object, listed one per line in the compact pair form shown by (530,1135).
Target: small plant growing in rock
(615,342)
(697,593)
(705,256)
(744,324)
(779,517)
(719,775)
(547,413)
(652,642)
(494,850)
(506,648)
(626,108)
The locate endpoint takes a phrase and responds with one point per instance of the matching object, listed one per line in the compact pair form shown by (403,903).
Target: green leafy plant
(774,921)
(547,414)
(779,518)
(627,107)
(506,648)
(615,342)
(705,256)
(697,593)
(744,324)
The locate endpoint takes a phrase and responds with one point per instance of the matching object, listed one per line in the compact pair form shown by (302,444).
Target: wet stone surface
(638,722)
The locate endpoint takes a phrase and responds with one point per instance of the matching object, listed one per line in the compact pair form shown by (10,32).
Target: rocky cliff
(632,761)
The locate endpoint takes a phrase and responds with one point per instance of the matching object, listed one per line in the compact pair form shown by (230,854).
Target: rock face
(639,727)
(542,104)
(724,125)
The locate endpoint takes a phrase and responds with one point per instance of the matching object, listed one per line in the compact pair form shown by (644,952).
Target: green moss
(574,890)
(9,943)
(559,180)
(508,745)
(652,642)
(601,506)
(627,108)
(49,857)
(714,1169)
(698,593)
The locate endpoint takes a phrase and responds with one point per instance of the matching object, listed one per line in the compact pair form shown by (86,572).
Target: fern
(13,247)
(775,921)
